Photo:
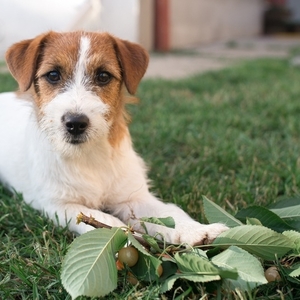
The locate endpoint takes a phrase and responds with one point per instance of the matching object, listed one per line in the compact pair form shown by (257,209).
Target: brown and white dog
(65,143)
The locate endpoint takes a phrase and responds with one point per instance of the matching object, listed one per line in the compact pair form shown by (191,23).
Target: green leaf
(253,221)
(196,266)
(249,269)
(169,269)
(168,283)
(257,240)
(289,211)
(266,217)
(200,252)
(216,214)
(89,267)
(286,202)
(295,237)
(294,271)
(147,265)
(137,244)
(152,242)
(167,222)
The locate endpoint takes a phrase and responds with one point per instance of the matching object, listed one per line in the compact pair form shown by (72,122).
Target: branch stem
(96,224)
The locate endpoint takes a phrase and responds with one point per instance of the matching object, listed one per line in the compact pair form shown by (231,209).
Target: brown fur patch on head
(134,62)
(22,60)
(60,53)
(30,61)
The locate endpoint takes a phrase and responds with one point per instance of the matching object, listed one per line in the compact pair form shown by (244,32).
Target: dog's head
(77,82)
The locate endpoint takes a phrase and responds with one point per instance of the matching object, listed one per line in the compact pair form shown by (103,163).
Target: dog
(65,140)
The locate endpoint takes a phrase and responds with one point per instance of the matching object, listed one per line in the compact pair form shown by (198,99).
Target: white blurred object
(88,17)
(21,19)
(118,17)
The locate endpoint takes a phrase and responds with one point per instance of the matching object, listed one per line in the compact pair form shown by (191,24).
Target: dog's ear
(134,61)
(22,59)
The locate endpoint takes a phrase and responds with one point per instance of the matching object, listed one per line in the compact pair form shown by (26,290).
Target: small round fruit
(120,265)
(272,274)
(131,279)
(159,270)
(129,256)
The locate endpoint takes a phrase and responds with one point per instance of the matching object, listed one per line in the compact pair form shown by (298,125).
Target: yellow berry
(160,270)
(120,265)
(272,274)
(132,279)
(129,256)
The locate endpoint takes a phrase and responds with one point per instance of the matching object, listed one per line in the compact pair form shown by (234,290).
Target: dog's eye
(103,77)
(53,76)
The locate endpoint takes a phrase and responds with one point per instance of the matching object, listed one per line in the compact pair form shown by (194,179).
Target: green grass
(232,135)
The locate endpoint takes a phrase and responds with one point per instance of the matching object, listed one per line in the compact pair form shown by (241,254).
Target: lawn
(231,135)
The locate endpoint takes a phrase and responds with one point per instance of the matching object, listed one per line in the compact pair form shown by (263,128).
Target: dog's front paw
(194,233)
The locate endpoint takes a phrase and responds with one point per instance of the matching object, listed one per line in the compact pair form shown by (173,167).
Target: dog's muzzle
(75,126)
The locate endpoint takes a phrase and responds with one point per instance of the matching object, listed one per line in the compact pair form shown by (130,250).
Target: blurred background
(159,25)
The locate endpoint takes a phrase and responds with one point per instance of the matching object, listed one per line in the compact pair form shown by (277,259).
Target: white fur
(65,179)
(82,60)
(76,99)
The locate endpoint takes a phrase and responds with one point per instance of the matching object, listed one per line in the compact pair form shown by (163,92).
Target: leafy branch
(144,239)
(238,258)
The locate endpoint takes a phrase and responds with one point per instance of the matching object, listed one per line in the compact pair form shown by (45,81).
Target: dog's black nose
(76,123)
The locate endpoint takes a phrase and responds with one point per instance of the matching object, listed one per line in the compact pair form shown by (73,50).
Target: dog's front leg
(66,214)
(186,230)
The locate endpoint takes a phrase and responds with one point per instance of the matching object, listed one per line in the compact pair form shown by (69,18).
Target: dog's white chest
(29,163)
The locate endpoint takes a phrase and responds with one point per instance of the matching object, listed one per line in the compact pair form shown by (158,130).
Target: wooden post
(162,25)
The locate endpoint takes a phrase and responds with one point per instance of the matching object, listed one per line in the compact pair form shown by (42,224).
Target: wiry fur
(97,171)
